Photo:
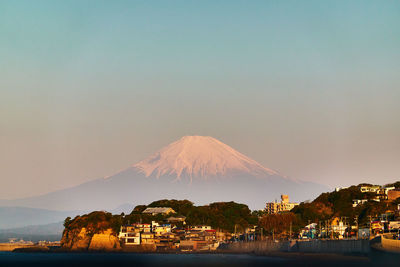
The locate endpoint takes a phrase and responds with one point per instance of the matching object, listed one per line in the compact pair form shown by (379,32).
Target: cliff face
(104,241)
(94,231)
(82,239)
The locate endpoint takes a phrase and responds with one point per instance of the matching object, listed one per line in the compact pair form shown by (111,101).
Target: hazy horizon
(310,88)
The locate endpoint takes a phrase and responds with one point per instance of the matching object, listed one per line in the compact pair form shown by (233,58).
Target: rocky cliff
(104,241)
(94,231)
(82,239)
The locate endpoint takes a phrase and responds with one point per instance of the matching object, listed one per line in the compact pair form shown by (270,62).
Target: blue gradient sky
(309,88)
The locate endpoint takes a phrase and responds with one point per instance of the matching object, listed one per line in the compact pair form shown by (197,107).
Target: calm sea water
(126,259)
(10,259)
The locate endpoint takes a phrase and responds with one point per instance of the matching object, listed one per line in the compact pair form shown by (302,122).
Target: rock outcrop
(104,241)
(82,239)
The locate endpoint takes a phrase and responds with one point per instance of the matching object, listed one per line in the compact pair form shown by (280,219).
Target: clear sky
(309,88)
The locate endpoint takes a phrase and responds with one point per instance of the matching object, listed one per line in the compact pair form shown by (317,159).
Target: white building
(129,238)
(357,202)
(201,228)
(158,229)
(370,188)
(337,189)
(284,205)
(158,210)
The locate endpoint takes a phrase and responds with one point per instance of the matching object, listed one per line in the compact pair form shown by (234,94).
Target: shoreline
(375,255)
(373,258)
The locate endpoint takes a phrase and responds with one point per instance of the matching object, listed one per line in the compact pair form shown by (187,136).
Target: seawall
(11,247)
(334,246)
(309,246)
(390,244)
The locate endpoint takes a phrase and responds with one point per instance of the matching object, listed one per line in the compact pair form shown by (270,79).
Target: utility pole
(273,234)
(327,229)
(356,221)
(370,220)
(320,230)
(345,223)
(290,231)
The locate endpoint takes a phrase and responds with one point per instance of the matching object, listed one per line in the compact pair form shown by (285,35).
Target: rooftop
(158,210)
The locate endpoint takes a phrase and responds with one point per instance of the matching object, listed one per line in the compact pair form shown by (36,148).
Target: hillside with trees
(224,216)
(231,216)
(339,204)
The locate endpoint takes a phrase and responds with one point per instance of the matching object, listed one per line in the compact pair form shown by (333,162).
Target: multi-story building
(381,193)
(147,238)
(130,234)
(277,207)
(370,188)
(158,229)
(158,210)
(201,227)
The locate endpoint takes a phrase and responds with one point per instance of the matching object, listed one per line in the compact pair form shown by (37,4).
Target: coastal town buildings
(166,236)
(277,207)
(381,192)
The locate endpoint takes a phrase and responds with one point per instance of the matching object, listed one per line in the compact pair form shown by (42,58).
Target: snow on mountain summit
(200,156)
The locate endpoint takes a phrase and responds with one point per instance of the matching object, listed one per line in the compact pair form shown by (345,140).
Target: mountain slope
(200,156)
(201,169)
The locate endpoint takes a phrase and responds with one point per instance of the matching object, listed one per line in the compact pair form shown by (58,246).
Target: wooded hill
(223,216)
(226,216)
(339,204)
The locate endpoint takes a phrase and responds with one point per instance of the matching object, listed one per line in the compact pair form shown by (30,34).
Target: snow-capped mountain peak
(200,156)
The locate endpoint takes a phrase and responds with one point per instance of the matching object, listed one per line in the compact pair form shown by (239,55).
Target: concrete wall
(334,246)
(256,246)
(312,246)
(389,243)
(11,247)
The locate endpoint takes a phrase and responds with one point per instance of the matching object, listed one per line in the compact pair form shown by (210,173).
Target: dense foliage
(339,204)
(219,215)
(225,216)
(280,224)
(94,222)
(396,184)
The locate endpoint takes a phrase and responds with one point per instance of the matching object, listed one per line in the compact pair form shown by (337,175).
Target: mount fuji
(198,168)
(200,157)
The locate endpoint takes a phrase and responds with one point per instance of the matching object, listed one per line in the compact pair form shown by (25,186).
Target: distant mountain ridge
(198,168)
(35,233)
(14,217)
